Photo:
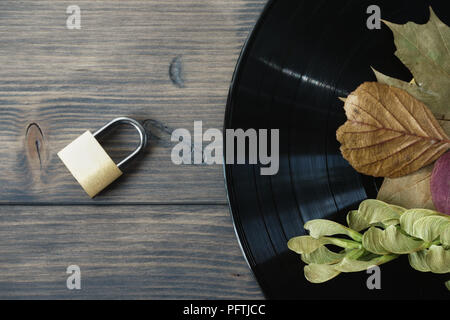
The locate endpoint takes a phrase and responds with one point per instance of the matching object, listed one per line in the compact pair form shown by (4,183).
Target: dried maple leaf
(389,133)
(425,50)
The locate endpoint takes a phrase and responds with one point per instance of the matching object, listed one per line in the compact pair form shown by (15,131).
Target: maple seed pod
(424,235)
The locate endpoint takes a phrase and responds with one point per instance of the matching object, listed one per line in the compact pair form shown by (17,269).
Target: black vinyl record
(301,56)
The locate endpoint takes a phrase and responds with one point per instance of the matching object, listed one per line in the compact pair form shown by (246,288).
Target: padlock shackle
(124,120)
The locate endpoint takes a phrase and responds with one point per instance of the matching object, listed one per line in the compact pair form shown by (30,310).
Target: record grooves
(300,57)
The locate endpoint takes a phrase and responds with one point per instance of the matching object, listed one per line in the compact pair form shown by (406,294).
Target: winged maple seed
(377,233)
(389,133)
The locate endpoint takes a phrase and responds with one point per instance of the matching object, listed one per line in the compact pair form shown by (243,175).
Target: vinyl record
(301,56)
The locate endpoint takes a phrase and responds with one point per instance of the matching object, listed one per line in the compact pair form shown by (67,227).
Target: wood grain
(168,63)
(135,252)
(160,231)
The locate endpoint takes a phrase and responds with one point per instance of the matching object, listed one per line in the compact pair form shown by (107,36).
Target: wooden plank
(157,252)
(166,63)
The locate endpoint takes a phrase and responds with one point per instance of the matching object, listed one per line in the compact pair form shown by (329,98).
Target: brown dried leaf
(389,133)
(413,190)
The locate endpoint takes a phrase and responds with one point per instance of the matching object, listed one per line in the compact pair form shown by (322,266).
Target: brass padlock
(89,163)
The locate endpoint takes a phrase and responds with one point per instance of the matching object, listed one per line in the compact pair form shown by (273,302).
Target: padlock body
(89,163)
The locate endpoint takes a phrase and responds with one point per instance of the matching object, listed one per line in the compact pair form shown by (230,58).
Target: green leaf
(408,219)
(447,284)
(308,244)
(355,254)
(376,211)
(445,236)
(418,261)
(350,265)
(322,256)
(433,101)
(344,243)
(356,221)
(371,213)
(424,49)
(393,240)
(438,259)
(368,256)
(400,210)
(305,244)
(430,228)
(319,273)
(390,222)
(372,241)
(319,228)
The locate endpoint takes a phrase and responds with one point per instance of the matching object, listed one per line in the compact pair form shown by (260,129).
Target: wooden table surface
(162,231)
